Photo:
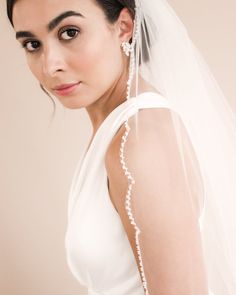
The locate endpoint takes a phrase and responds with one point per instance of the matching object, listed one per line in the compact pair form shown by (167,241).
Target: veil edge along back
(201,127)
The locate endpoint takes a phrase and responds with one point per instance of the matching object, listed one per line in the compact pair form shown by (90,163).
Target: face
(80,48)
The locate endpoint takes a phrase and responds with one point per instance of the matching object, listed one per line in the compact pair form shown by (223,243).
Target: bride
(154,193)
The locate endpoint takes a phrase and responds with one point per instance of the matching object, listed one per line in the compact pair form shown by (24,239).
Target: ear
(125,25)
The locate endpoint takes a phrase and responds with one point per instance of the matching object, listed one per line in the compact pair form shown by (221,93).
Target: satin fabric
(98,251)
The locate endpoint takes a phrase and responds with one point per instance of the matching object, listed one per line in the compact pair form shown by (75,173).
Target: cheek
(34,67)
(100,62)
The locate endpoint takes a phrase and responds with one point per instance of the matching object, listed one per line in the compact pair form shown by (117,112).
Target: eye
(31,46)
(69,34)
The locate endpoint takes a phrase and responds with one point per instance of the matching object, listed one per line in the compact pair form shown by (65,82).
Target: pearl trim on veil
(124,139)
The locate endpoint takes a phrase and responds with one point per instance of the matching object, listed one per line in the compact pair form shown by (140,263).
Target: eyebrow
(52,24)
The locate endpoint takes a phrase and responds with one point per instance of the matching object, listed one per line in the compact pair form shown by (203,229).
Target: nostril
(52,70)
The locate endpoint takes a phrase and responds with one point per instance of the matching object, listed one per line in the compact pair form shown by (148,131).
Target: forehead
(37,13)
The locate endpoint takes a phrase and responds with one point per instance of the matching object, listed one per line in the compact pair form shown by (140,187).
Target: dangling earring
(127,47)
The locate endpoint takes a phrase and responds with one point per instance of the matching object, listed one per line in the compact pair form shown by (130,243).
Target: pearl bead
(129,49)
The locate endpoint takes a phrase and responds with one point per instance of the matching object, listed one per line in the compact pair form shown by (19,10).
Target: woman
(132,61)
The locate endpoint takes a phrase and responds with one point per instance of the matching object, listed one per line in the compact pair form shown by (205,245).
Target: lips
(65,86)
(66,89)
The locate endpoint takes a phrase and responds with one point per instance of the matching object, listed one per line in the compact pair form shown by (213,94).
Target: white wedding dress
(98,251)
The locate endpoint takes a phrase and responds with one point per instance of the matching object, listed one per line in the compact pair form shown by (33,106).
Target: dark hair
(111,9)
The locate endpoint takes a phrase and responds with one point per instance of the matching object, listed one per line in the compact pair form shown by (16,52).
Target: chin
(73,102)
(72,105)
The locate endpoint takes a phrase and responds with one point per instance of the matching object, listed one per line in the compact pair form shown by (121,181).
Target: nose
(53,61)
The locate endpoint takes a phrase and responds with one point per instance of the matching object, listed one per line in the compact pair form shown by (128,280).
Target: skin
(95,58)
(93,55)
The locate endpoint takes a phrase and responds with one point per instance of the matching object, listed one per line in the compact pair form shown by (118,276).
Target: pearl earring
(127,47)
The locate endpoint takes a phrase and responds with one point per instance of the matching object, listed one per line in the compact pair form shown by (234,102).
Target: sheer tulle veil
(163,54)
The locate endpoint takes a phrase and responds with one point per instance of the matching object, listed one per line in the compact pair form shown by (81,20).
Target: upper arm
(165,201)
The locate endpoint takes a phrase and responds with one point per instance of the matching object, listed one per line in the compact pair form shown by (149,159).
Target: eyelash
(24,44)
